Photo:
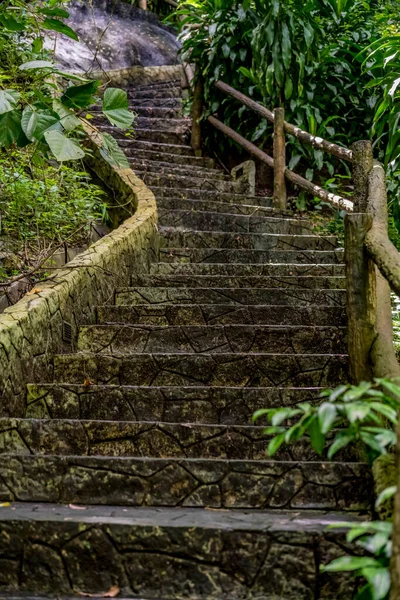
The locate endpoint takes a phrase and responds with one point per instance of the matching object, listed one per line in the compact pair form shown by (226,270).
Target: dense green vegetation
(43,124)
(314,58)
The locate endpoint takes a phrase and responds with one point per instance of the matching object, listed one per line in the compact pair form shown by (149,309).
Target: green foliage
(44,106)
(365,415)
(348,415)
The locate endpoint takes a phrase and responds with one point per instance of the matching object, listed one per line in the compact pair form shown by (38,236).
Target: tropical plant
(41,105)
(362,416)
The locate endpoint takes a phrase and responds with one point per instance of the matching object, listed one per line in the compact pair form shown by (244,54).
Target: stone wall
(46,320)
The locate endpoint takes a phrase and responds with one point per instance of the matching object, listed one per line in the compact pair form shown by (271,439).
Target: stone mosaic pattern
(139,442)
(223,556)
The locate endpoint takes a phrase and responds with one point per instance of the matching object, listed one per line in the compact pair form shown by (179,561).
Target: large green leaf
(62,147)
(10,23)
(67,118)
(36,64)
(112,153)
(8,100)
(10,127)
(52,24)
(116,108)
(35,122)
(80,96)
(54,12)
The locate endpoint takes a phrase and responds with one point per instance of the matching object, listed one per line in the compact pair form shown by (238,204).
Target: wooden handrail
(334,199)
(304,136)
(385,255)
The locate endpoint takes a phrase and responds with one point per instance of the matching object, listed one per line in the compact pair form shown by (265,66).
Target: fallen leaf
(74,507)
(112,593)
(34,290)
(87,383)
(4,504)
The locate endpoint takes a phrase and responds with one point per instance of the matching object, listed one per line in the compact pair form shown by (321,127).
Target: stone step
(156,85)
(205,194)
(144,166)
(131,339)
(233,296)
(181,125)
(185,552)
(133,145)
(174,237)
(146,439)
(216,221)
(247,270)
(137,96)
(232,370)
(214,314)
(220,207)
(152,135)
(240,255)
(224,406)
(168,158)
(237,281)
(188,181)
(158,112)
(169,482)
(143,101)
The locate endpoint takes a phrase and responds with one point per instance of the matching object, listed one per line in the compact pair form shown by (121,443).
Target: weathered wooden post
(363,161)
(361,297)
(280,198)
(142,4)
(197,112)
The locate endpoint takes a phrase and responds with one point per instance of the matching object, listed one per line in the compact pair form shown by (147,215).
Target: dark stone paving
(136,467)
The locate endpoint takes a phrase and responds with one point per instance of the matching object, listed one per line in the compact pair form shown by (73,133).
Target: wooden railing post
(361,297)
(363,161)
(197,112)
(142,4)
(280,198)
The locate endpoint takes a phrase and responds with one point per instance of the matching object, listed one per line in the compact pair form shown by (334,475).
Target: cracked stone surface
(131,460)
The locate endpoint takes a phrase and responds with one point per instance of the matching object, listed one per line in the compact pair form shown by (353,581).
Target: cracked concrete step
(248,270)
(147,439)
(250,210)
(142,166)
(216,221)
(213,195)
(173,237)
(224,369)
(224,406)
(186,553)
(168,158)
(234,296)
(132,144)
(152,135)
(219,484)
(214,314)
(131,339)
(240,281)
(240,255)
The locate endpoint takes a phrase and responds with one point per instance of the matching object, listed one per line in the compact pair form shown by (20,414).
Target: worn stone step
(216,221)
(147,439)
(158,112)
(181,125)
(137,96)
(131,339)
(189,181)
(235,296)
(176,238)
(186,553)
(232,370)
(240,281)
(171,102)
(205,194)
(240,255)
(132,145)
(156,85)
(220,207)
(220,484)
(213,314)
(168,158)
(224,406)
(248,270)
(152,135)
(142,166)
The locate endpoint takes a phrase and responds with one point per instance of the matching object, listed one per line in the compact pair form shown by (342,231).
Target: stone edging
(46,320)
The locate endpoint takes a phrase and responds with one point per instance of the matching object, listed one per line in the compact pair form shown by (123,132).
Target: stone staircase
(138,470)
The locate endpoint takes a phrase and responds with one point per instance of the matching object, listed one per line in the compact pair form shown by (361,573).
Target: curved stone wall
(46,320)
